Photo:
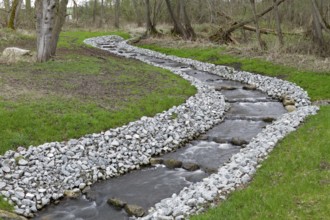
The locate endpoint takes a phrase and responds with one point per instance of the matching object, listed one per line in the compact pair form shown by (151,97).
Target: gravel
(35,176)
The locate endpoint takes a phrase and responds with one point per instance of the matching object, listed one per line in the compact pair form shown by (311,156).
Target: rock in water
(134,210)
(154,161)
(190,166)
(117,203)
(172,163)
(250,87)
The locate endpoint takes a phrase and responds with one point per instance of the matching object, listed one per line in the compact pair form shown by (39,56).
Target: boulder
(14,54)
(72,194)
(134,210)
(172,163)
(286,100)
(290,108)
(117,203)
(190,166)
(238,142)
(250,87)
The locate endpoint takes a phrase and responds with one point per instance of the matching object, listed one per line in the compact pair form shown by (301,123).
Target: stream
(251,110)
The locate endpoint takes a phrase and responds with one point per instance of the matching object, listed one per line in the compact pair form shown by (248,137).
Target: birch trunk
(50,16)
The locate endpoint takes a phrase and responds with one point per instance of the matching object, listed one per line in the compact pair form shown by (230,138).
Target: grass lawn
(294,182)
(83,90)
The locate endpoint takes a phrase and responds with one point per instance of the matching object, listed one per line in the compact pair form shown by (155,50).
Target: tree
(117,13)
(14,14)
(150,25)
(278,25)
(183,29)
(256,22)
(51,16)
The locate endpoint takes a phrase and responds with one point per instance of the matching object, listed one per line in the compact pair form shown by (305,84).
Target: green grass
(294,182)
(70,39)
(316,84)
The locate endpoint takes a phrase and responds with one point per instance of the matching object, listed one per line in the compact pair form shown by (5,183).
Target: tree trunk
(50,16)
(278,25)
(138,13)
(317,27)
(260,43)
(117,13)
(94,11)
(190,31)
(150,27)
(184,30)
(13,14)
(28,6)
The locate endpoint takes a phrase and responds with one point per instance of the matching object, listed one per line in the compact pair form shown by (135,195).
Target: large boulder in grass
(15,54)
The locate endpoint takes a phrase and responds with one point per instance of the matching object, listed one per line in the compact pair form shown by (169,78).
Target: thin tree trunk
(117,13)
(253,5)
(94,11)
(278,25)
(150,27)
(138,13)
(317,26)
(189,29)
(13,14)
(6,4)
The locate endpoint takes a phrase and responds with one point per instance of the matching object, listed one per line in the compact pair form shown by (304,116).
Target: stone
(238,142)
(6,169)
(4,215)
(156,160)
(22,162)
(117,203)
(29,196)
(190,166)
(250,87)
(172,163)
(14,54)
(288,101)
(72,194)
(134,210)
(2,185)
(290,108)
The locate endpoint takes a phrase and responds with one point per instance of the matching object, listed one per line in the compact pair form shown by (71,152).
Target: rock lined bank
(32,178)
(242,166)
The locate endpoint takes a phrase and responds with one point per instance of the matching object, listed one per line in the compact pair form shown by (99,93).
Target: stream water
(146,187)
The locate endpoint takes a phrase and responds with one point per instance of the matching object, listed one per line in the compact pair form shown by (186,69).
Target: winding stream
(250,111)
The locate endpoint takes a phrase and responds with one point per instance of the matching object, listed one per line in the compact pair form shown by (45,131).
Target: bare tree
(256,22)
(117,13)
(50,19)
(278,24)
(150,25)
(14,14)
(184,30)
